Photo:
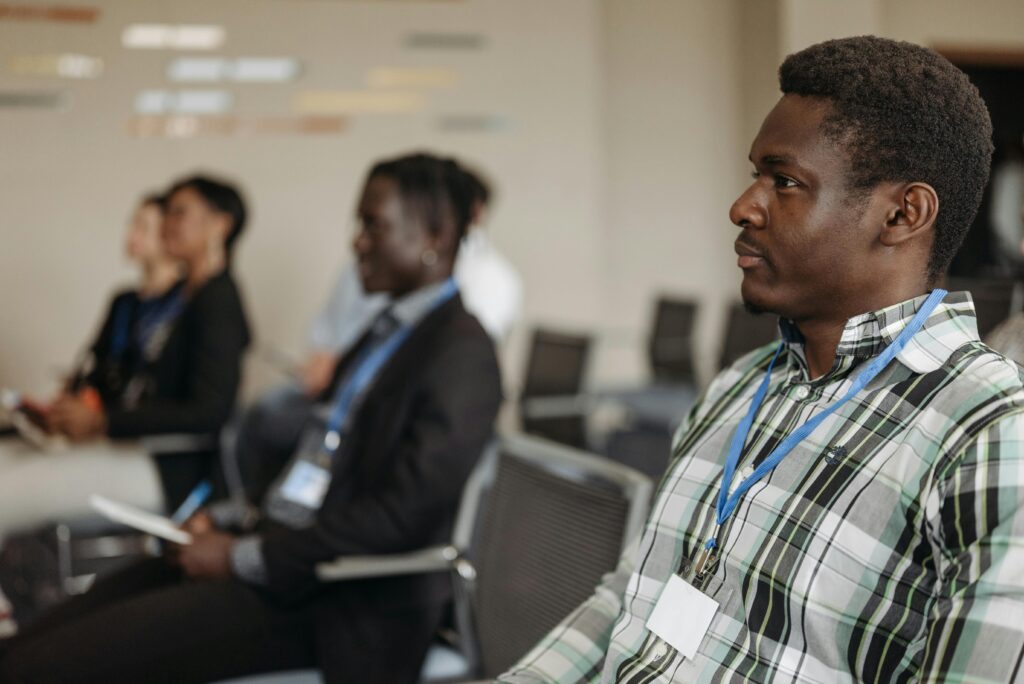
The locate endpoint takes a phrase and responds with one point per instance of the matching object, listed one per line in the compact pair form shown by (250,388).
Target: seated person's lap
(38,486)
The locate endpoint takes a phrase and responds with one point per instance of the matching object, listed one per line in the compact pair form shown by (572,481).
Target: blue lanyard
(727,502)
(122,328)
(164,312)
(366,369)
(149,320)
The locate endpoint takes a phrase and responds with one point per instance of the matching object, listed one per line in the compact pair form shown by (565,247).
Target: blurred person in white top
(491,290)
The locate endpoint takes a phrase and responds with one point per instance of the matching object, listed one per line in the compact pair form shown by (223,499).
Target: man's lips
(747,256)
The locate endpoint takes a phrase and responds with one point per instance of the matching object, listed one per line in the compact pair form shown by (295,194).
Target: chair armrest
(433,559)
(177,442)
(558,406)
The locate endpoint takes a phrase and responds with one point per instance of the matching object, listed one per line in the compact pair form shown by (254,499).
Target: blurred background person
(119,352)
(387,451)
(490,287)
(1008,337)
(115,354)
(491,290)
(167,361)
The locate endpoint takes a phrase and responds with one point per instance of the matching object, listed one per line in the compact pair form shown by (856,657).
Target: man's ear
(443,241)
(911,214)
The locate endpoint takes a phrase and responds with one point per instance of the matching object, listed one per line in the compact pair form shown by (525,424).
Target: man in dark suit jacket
(386,478)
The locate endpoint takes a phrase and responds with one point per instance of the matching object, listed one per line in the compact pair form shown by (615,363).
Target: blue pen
(191,504)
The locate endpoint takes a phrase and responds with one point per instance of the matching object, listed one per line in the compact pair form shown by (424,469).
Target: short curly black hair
(903,113)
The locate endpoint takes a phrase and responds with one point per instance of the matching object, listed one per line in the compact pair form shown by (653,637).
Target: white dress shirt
(491,290)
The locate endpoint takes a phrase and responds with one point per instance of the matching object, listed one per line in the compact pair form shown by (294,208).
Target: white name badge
(306,485)
(682,616)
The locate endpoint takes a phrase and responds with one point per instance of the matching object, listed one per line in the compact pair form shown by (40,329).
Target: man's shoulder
(980,379)
(453,333)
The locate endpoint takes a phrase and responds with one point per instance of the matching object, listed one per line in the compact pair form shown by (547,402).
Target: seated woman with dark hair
(167,361)
(378,468)
(126,339)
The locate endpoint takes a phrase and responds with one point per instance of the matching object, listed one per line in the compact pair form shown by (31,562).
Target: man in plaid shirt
(871,525)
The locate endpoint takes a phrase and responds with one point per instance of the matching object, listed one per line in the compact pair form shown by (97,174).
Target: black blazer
(111,370)
(195,382)
(399,475)
(197,374)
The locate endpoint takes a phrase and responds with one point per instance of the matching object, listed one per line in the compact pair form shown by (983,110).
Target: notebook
(147,522)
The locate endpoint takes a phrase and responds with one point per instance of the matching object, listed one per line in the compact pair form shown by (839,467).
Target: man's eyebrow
(775,160)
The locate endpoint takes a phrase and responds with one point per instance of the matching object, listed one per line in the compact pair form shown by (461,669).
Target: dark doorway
(992,248)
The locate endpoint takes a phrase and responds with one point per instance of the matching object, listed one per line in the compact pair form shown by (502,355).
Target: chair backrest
(550,521)
(992,299)
(745,332)
(670,347)
(646,448)
(556,365)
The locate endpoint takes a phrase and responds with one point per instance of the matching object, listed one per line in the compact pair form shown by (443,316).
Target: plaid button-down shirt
(887,546)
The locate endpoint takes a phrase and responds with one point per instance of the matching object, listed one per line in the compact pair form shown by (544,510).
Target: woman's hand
(199,523)
(76,418)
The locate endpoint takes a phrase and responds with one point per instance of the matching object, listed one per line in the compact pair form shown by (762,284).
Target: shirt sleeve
(327,320)
(247,560)
(491,289)
(575,650)
(345,315)
(975,632)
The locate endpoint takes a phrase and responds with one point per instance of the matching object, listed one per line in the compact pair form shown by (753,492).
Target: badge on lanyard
(682,616)
(306,484)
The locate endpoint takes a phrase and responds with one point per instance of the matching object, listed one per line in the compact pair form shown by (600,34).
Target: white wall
(982,24)
(628,127)
(68,180)
(806,22)
(676,163)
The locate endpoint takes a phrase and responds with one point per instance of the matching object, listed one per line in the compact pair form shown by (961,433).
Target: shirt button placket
(802,392)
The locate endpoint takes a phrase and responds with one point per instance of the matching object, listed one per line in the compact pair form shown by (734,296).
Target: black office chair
(745,332)
(670,346)
(537,526)
(644,447)
(992,299)
(554,379)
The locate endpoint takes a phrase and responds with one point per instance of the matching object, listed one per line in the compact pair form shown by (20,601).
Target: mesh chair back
(556,367)
(992,300)
(546,534)
(646,448)
(745,332)
(670,348)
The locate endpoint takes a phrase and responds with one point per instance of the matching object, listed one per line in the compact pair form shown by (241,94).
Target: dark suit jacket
(195,382)
(197,374)
(399,474)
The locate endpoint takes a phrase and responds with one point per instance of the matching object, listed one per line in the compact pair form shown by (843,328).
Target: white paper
(682,616)
(145,521)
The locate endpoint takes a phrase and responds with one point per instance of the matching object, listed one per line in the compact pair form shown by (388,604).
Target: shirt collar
(950,326)
(413,307)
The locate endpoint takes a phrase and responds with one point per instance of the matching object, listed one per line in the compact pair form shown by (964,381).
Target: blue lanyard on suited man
(306,482)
